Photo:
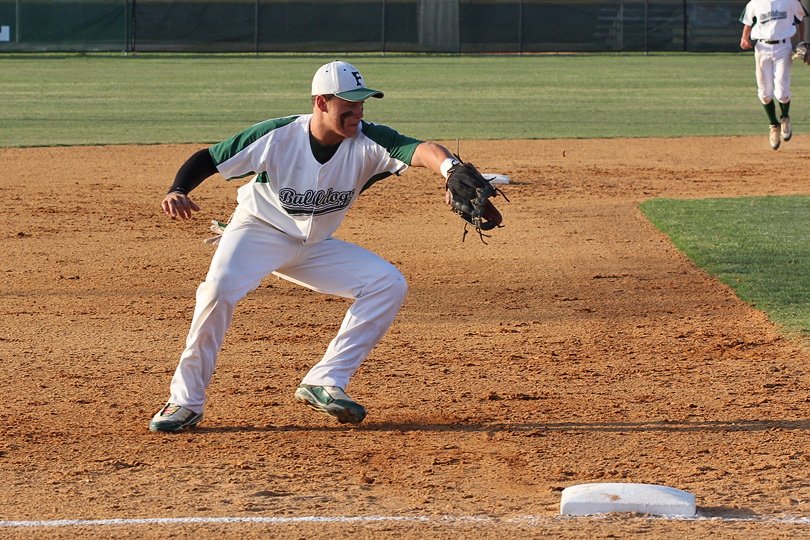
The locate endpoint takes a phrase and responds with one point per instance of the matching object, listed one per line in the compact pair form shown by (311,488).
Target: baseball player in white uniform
(771,24)
(306,171)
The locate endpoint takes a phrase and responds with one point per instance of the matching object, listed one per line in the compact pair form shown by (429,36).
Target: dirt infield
(590,350)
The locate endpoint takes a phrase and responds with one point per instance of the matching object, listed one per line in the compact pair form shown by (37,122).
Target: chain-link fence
(456,26)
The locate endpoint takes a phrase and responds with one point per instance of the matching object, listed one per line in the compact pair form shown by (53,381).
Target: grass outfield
(117,99)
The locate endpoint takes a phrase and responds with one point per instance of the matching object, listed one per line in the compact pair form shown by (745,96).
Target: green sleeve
(222,152)
(399,146)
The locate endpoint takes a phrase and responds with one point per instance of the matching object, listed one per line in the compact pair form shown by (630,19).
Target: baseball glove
(469,193)
(802,52)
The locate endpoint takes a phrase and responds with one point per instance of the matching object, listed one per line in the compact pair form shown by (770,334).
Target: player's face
(344,116)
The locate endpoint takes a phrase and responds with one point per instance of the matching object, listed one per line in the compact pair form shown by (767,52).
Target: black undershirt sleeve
(192,173)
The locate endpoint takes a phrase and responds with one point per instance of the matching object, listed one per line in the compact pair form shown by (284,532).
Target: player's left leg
(378,289)
(783,63)
(787,129)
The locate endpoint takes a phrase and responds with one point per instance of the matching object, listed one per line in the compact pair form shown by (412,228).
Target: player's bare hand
(179,205)
(745,43)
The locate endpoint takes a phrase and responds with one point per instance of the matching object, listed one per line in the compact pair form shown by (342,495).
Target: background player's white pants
(248,251)
(773,71)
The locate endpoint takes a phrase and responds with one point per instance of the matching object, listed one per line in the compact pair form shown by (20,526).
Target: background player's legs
(765,89)
(783,63)
(247,252)
(337,267)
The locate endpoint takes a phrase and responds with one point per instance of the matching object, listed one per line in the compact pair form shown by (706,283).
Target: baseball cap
(343,80)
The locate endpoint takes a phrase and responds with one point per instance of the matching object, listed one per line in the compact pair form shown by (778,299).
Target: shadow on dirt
(725,512)
(538,429)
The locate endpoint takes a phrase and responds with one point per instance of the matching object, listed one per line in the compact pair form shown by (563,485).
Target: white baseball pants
(248,251)
(773,63)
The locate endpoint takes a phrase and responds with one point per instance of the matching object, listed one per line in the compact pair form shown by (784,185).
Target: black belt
(774,42)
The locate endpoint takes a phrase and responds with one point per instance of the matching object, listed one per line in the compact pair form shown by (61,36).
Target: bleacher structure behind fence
(443,26)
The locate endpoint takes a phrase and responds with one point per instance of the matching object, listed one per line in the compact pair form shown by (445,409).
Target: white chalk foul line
(354,519)
(168,521)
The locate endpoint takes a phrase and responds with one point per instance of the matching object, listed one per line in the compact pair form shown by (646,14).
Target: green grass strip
(759,246)
(116,99)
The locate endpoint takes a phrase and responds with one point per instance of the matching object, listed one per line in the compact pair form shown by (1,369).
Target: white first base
(496,178)
(587,499)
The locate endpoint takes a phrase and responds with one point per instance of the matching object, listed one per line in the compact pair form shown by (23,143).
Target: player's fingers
(179,205)
(168,208)
(180,210)
(183,207)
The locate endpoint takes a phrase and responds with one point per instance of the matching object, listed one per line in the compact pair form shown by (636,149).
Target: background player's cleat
(787,132)
(776,136)
(173,417)
(331,400)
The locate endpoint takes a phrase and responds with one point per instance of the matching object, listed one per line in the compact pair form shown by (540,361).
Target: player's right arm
(191,174)
(749,19)
(745,41)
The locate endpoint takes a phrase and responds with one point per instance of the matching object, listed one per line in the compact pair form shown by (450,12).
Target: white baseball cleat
(331,400)
(776,136)
(787,132)
(173,417)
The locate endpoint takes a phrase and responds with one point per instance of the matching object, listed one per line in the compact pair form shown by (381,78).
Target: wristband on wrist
(448,164)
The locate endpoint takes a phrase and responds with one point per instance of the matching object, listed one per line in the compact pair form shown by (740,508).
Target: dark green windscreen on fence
(467,26)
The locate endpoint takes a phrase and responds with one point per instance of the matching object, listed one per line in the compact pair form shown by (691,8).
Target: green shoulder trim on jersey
(742,16)
(222,152)
(399,146)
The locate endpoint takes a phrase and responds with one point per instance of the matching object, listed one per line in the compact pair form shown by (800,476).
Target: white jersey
(772,20)
(295,193)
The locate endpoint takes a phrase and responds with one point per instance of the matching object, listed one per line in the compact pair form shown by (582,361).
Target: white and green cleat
(331,400)
(173,417)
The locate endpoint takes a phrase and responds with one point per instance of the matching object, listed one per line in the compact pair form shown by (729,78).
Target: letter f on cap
(343,80)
